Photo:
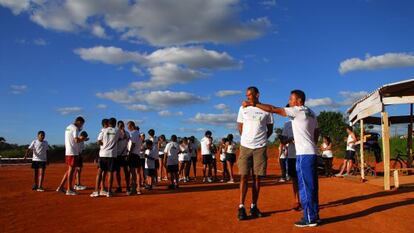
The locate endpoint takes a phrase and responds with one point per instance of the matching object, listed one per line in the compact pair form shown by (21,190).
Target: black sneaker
(304,223)
(34,187)
(255,212)
(242,214)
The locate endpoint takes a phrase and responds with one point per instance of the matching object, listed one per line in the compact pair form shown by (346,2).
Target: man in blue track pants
(305,135)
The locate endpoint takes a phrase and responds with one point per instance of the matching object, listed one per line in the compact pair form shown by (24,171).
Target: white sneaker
(71,193)
(281,180)
(338,175)
(230,181)
(94,194)
(204,180)
(209,180)
(103,193)
(109,194)
(79,187)
(40,189)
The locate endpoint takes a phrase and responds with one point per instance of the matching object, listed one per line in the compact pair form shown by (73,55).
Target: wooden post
(410,138)
(386,149)
(361,148)
(396,179)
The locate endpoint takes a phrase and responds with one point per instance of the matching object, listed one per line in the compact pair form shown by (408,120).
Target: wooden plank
(369,106)
(398,100)
(361,149)
(386,149)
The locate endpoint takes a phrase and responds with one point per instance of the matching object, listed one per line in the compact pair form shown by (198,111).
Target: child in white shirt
(39,160)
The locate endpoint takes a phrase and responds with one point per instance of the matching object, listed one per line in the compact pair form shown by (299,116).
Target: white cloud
(101,106)
(109,55)
(98,31)
(166,113)
(40,42)
(221,106)
(137,71)
(139,107)
(192,130)
(214,119)
(18,89)
(349,97)
(320,102)
(388,60)
(268,3)
(160,23)
(166,75)
(224,93)
(69,110)
(154,99)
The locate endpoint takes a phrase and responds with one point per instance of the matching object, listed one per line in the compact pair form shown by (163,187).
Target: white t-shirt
(205,146)
(304,124)
(288,132)
(71,147)
(193,149)
(39,150)
(151,156)
(350,146)
(231,148)
(184,155)
(122,147)
(326,153)
(109,137)
(255,123)
(134,139)
(154,143)
(223,153)
(171,150)
(162,148)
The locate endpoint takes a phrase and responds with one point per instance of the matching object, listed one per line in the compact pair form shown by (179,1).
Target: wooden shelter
(363,110)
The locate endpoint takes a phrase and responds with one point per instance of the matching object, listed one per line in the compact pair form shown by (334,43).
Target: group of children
(143,162)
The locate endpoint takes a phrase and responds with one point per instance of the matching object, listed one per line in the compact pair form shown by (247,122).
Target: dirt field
(346,206)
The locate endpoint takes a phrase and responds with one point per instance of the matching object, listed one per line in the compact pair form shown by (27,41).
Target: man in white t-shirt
(206,145)
(171,162)
(72,148)
(39,159)
(305,134)
(134,149)
(255,127)
(108,140)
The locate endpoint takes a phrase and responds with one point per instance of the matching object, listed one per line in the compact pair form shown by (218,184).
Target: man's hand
(246,104)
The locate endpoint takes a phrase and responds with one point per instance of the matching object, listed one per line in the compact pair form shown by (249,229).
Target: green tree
(332,124)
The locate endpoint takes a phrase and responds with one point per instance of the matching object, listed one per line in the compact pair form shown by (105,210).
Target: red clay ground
(346,206)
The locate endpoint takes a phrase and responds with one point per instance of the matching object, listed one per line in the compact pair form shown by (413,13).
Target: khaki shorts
(252,160)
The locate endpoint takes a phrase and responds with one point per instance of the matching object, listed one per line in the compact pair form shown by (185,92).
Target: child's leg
(78,176)
(98,180)
(64,178)
(36,176)
(126,174)
(194,161)
(110,181)
(210,172)
(230,167)
(103,181)
(139,178)
(42,174)
(215,169)
(71,170)
(118,177)
(187,168)
(204,170)
(133,172)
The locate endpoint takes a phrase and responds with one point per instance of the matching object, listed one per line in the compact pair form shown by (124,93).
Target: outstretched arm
(266,107)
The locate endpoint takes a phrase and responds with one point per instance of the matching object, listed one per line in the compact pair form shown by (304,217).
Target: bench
(395,175)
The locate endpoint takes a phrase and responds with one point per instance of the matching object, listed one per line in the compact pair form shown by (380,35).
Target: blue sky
(182,66)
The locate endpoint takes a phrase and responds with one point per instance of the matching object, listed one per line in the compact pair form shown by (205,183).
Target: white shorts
(223,157)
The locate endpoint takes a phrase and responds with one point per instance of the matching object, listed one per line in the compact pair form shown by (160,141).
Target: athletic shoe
(34,187)
(165,178)
(103,193)
(255,212)
(79,187)
(109,194)
(94,194)
(287,178)
(118,190)
(40,189)
(222,180)
(230,181)
(304,223)
(209,180)
(204,180)
(71,193)
(60,190)
(242,214)
(346,174)
(338,175)
(281,180)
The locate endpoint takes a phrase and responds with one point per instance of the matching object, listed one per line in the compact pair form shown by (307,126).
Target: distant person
(282,149)
(141,174)
(230,156)
(78,185)
(184,159)
(206,146)
(171,161)
(213,160)
(108,140)
(349,153)
(154,140)
(72,140)
(122,157)
(193,155)
(255,127)
(134,147)
(40,148)
(222,156)
(151,155)
(305,134)
(289,142)
(327,155)
(162,171)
